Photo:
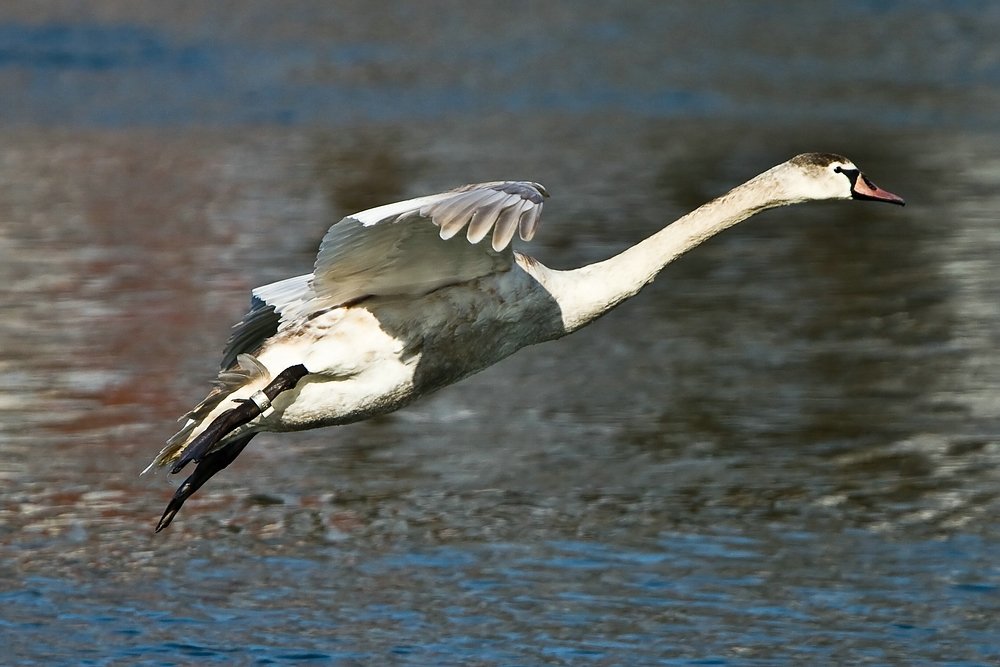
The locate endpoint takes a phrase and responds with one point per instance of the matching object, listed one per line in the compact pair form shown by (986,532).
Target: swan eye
(838,169)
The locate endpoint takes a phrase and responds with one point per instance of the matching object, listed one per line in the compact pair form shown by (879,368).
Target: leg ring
(261,400)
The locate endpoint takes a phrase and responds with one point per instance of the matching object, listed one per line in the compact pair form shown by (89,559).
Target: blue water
(783,452)
(691,599)
(901,64)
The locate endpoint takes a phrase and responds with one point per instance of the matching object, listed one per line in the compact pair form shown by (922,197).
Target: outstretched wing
(410,247)
(393,250)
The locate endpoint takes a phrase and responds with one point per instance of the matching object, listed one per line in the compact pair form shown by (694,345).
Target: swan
(399,304)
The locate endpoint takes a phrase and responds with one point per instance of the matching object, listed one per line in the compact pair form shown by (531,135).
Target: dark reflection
(812,350)
(361,169)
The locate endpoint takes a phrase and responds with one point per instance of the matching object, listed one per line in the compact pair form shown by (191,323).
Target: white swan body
(399,304)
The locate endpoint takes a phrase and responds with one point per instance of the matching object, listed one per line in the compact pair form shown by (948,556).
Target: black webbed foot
(206,468)
(210,462)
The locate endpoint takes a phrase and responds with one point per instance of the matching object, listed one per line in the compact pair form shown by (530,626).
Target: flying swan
(399,305)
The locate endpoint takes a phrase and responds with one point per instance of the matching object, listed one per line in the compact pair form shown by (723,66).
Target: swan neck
(586,293)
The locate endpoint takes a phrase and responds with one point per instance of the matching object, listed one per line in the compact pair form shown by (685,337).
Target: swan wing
(408,248)
(415,246)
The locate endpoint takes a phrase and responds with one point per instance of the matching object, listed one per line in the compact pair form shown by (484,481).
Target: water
(783,452)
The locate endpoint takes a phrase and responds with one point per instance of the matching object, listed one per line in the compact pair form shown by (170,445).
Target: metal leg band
(261,400)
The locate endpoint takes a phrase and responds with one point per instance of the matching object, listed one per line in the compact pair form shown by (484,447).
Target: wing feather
(484,219)
(259,324)
(528,222)
(506,224)
(453,214)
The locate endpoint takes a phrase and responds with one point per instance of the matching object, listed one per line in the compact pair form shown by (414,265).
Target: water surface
(783,452)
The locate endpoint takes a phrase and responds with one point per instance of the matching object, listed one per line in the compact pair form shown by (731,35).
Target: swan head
(814,176)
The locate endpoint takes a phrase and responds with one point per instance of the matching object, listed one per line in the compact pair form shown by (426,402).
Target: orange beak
(865,189)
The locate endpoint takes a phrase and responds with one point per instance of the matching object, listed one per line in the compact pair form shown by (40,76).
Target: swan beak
(865,189)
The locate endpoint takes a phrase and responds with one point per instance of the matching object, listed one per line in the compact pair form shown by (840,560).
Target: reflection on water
(785,450)
(776,402)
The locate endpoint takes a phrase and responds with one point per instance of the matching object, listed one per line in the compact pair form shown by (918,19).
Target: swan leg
(206,468)
(213,461)
(245,412)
